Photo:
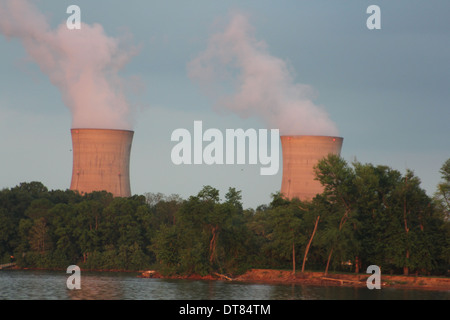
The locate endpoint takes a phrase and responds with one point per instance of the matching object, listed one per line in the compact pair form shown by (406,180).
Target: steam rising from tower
(262,86)
(84,65)
(241,76)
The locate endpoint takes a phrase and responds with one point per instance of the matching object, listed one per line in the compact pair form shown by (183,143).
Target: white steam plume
(84,64)
(262,85)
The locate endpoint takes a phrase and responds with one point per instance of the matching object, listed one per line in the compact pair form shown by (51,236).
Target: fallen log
(340,280)
(223,276)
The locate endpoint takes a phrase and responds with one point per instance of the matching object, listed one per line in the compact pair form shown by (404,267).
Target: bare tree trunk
(328,262)
(341,224)
(212,244)
(309,243)
(293,257)
(405,268)
(357,265)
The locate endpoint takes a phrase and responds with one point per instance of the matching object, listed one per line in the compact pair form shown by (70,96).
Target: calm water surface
(51,285)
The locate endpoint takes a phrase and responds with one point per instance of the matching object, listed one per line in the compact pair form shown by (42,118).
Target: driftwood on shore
(223,276)
(340,280)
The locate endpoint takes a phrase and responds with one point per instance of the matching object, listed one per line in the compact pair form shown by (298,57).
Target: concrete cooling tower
(300,155)
(101,161)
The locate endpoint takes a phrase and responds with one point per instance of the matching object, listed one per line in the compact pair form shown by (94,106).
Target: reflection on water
(29,285)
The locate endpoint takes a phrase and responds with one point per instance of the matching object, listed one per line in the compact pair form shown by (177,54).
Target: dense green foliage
(366,215)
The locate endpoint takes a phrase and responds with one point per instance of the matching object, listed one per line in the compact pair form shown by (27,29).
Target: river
(51,285)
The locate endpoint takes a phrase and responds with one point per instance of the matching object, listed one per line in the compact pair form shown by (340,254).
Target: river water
(51,285)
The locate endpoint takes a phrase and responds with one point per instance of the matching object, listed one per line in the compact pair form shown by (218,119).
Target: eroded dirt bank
(318,278)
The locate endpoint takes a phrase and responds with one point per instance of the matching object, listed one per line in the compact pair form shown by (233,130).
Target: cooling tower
(101,161)
(300,155)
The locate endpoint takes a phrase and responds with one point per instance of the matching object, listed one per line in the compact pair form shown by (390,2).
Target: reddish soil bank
(319,278)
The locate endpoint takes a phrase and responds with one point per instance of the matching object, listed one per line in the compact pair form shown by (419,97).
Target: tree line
(366,215)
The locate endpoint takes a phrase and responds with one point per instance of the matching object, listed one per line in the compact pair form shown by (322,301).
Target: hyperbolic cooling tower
(101,161)
(300,155)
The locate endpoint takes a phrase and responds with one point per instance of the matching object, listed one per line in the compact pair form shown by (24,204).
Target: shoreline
(285,277)
(271,276)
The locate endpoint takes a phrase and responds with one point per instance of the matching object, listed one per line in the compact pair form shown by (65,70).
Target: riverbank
(270,276)
(320,279)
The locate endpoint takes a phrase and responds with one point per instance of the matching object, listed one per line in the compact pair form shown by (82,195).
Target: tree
(38,208)
(207,236)
(39,236)
(197,225)
(286,234)
(7,234)
(86,229)
(284,222)
(309,242)
(65,242)
(165,245)
(257,223)
(374,185)
(337,178)
(442,196)
(35,188)
(397,219)
(234,198)
(442,200)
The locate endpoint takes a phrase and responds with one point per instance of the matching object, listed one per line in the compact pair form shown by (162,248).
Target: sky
(385,90)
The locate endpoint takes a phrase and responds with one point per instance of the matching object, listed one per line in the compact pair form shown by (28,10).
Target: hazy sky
(387,91)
